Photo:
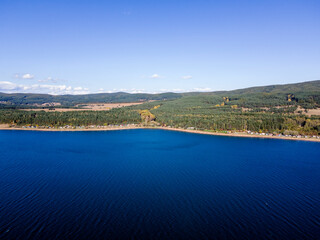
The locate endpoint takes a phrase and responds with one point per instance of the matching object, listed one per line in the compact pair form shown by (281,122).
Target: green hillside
(309,91)
(290,109)
(27,99)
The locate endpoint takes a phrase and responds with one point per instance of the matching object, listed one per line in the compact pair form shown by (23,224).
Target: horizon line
(137,91)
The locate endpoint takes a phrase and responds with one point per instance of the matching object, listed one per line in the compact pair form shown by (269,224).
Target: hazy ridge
(21,99)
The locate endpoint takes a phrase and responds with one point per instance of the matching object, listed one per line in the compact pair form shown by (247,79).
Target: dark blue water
(155,184)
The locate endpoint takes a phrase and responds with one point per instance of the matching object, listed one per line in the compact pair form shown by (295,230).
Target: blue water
(156,184)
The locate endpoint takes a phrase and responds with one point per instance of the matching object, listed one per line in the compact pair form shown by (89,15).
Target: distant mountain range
(29,99)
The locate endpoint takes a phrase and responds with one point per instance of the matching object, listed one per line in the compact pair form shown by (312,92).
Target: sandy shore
(239,134)
(234,134)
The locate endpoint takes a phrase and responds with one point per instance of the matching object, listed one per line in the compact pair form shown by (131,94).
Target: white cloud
(133,90)
(9,87)
(180,90)
(163,90)
(186,77)
(80,90)
(202,90)
(23,76)
(154,76)
(51,79)
(48,79)
(27,76)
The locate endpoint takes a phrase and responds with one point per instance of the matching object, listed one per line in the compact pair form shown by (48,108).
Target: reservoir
(157,184)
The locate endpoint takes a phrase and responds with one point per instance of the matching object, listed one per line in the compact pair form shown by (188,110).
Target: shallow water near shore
(157,184)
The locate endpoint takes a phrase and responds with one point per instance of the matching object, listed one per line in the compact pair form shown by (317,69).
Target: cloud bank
(10,87)
(27,76)
(175,90)
(24,76)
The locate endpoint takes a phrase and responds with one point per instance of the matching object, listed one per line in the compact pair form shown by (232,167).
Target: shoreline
(240,134)
(234,134)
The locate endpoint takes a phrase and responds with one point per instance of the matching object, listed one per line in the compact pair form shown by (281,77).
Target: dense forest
(21,100)
(223,113)
(73,118)
(273,109)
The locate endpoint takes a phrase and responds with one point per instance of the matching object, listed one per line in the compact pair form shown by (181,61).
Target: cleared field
(309,112)
(87,107)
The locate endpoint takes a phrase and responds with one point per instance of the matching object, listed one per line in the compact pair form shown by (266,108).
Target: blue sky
(78,46)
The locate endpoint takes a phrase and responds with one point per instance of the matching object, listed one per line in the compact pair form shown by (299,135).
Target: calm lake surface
(157,184)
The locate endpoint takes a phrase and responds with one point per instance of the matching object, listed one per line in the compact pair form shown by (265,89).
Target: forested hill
(301,90)
(20,99)
(306,95)
(311,86)
(289,109)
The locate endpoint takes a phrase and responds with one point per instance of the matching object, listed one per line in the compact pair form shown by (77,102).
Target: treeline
(172,114)
(27,100)
(229,113)
(275,110)
(305,94)
(75,118)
